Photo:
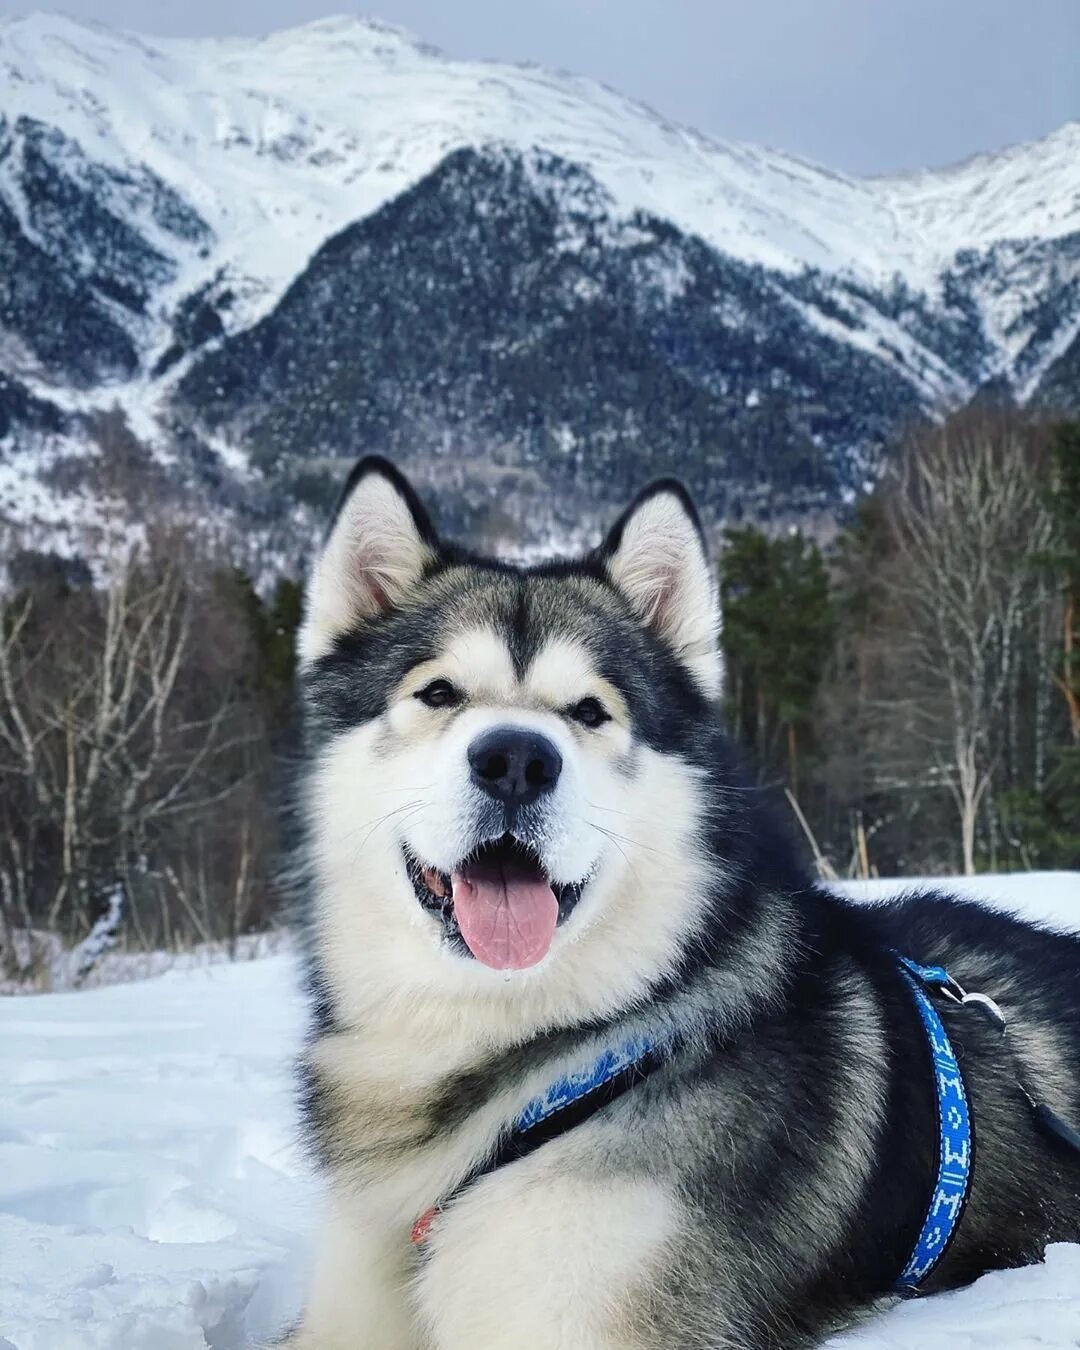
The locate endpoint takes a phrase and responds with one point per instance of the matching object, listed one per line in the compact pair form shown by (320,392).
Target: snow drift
(153,1195)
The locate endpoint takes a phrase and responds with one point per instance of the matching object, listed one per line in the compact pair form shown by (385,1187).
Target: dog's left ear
(379,544)
(655,554)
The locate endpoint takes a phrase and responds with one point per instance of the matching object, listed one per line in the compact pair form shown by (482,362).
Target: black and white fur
(770,1181)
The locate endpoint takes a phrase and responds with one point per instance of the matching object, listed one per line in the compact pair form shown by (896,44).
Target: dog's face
(503,757)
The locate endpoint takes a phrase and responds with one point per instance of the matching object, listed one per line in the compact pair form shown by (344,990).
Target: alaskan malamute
(594,1065)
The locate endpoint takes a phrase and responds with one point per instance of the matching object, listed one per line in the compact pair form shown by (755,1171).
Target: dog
(536,886)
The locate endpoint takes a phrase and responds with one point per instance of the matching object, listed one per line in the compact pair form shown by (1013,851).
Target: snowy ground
(152,1196)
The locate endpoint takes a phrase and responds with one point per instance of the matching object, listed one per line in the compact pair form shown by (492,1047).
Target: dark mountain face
(20,409)
(1058,391)
(496,327)
(66,327)
(78,268)
(502,330)
(1011,272)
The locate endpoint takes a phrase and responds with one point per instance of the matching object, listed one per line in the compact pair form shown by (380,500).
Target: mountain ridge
(178,190)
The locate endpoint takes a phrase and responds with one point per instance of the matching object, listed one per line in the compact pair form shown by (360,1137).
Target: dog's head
(506,762)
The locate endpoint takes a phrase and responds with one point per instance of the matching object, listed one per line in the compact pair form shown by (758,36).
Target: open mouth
(499,902)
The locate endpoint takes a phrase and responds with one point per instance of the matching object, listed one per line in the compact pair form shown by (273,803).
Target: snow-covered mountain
(246,242)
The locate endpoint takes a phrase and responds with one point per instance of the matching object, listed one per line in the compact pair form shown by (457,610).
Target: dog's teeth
(433,881)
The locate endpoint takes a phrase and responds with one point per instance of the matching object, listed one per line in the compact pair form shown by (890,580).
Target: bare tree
(132,754)
(966,524)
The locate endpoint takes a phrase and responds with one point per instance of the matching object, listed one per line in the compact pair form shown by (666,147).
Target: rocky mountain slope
(268,256)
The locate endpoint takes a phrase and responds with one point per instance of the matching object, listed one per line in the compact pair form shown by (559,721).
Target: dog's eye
(439,694)
(590,712)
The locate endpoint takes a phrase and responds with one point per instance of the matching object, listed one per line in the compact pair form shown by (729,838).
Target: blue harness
(575,1097)
(630,1057)
(567,1102)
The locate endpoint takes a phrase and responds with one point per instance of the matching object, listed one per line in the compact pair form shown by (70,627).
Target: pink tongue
(506,915)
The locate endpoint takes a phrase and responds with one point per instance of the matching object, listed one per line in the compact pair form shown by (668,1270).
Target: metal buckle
(954,991)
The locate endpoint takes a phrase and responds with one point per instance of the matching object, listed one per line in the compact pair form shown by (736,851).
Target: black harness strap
(578,1107)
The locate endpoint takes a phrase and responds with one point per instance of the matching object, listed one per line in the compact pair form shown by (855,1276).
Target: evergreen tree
(1045,824)
(778,628)
(271,628)
(1065,561)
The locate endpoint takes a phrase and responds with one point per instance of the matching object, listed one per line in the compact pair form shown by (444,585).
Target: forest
(908,690)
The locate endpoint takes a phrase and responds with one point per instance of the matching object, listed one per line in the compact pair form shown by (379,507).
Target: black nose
(514,765)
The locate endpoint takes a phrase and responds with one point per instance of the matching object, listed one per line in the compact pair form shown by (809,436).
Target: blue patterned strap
(937,977)
(566,1091)
(569,1101)
(957,1142)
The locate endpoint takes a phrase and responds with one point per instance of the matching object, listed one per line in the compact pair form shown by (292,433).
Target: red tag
(422,1227)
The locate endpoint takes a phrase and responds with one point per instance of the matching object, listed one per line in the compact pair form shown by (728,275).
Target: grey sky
(864,85)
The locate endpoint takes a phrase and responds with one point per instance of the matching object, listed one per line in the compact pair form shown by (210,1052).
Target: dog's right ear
(379,543)
(655,555)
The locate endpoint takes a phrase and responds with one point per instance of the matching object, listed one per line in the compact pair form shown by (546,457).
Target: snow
(64,968)
(151,1190)
(61,521)
(153,1195)
(1049,898)
(1005,1310)
(1028,191)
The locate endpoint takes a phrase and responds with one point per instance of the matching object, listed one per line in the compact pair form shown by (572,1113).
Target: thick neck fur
(696,904)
